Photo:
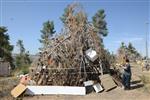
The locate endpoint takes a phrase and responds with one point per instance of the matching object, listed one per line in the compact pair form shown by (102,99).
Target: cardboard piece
(97,87)
(43,90)
(18,90)
(107,82)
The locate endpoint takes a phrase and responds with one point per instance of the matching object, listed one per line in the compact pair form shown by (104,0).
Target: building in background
(5,68)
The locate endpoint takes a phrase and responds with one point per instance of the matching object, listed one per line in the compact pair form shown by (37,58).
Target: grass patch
(21,70)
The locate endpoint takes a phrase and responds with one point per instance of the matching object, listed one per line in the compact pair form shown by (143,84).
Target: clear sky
(126,20)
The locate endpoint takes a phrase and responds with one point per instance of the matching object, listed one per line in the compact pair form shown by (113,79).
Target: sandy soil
(116,94)
(137,92)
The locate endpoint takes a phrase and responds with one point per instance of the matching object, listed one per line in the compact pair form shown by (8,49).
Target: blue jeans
(126,80)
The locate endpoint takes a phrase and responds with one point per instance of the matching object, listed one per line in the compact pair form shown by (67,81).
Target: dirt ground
(6,85)
(139,91)
(116,94)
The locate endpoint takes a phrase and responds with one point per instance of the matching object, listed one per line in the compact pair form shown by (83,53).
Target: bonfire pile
(64,61)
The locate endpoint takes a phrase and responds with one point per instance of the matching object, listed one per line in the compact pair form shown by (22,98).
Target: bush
(24,69)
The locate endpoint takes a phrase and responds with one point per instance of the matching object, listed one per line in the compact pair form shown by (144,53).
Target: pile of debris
(72,63)
(73,57)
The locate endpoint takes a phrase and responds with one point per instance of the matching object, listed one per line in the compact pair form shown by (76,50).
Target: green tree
(99,22)
(47,32)
(23,58)
(132,49)
(123,46)
(129,51)
(65,15)
(21,46)
(5,47)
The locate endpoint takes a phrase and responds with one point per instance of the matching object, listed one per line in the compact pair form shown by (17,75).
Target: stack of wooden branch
(64,61)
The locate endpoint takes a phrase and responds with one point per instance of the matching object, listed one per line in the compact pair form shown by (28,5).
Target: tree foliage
(5,47)
(21,46)
(47,32)
(128,51)
(100,23)
(65,14)
(23,58)
(123,46)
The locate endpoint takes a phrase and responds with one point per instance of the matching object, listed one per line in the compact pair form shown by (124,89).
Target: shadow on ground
(136,84)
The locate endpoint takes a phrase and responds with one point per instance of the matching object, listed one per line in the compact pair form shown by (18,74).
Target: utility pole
(147,39)
(1,16)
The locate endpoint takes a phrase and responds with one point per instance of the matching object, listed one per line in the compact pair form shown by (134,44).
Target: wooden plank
(18,90)
(67,90)
(107,82)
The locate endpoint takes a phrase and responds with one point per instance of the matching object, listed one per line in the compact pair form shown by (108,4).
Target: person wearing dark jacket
(126,75)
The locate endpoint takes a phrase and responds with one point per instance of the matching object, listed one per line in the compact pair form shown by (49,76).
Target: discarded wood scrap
(18,90)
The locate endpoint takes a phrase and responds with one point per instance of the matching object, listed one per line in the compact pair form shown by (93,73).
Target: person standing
(126,75)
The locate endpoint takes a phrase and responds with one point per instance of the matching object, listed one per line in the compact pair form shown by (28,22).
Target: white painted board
(91,54)
(97,87)
(88,83)
(67,90)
